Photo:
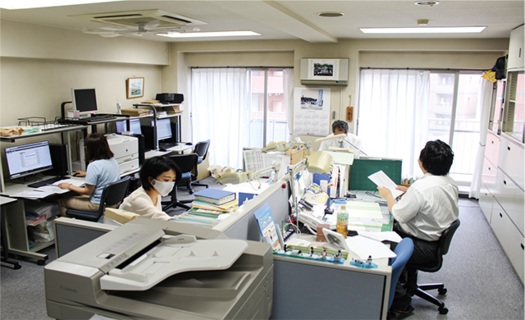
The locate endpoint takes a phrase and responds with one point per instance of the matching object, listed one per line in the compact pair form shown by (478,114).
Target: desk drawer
(492,148)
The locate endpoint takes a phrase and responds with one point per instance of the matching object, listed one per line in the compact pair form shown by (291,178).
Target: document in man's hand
(382,180)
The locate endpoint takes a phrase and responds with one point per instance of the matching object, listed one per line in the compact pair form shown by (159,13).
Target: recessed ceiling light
(330,14)
(426,3)
(424,30)
(28,4)
(208,34)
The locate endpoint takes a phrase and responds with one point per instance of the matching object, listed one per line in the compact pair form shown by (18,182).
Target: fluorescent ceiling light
(208,34)
(28,4)
(424,30)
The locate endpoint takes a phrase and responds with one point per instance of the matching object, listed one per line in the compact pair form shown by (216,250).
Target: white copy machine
(150,269)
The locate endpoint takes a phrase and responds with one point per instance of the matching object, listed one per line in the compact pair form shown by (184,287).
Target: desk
(181,148)
(307,289)
(5,203)
(16,228)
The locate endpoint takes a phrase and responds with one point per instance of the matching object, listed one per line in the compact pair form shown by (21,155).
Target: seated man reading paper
(351,141)
(427,208)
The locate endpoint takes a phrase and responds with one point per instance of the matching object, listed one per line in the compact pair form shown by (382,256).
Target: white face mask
(163,187)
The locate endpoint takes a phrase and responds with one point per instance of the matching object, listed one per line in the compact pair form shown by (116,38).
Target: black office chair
(444,244)
(201,148)
(113,194)
(186,163)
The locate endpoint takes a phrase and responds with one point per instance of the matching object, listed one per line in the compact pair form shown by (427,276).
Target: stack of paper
(364,213)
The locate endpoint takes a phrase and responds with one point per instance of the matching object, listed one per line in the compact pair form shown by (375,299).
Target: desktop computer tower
(142,148)
(59,158)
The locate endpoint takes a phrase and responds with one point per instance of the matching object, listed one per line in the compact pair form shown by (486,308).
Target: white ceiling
(299,19)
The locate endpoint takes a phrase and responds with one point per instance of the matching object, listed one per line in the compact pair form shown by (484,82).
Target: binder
(215,196)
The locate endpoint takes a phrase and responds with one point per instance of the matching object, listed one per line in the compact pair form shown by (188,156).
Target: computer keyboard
(101,117)
(168,145)
(45,182)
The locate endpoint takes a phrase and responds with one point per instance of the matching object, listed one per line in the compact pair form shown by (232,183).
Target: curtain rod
(251,67)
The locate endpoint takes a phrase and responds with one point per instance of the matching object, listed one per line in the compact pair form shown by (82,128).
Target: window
(267,108)
(402,109)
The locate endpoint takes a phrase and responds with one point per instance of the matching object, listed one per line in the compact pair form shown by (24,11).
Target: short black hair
(154,167)
(437,157)
(341,125)
(97,147)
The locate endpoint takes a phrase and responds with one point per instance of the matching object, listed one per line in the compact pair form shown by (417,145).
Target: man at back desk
(426,209)
(351,141)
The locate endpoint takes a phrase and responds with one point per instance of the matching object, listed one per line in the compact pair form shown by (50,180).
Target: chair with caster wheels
(444,244)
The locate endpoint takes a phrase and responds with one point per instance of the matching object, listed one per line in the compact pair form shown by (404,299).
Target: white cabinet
(509,237)
(515,60)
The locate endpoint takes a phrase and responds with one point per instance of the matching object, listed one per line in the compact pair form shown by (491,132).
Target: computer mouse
(162,149)
(76,174)
(188,143)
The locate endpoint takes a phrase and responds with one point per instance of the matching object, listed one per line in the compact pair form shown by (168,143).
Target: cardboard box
(176,109)
(296,156)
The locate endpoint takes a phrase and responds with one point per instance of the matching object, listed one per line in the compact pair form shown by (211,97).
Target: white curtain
(486,96)
(288,98)
(219,98)
(393,115)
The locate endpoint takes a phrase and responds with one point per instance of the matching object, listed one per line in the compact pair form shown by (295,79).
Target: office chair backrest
(186,163)
(403,251)
(201,148)
(446,237)
(113,194)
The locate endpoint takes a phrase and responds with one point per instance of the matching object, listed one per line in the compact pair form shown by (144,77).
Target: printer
(126,150)
(153,269)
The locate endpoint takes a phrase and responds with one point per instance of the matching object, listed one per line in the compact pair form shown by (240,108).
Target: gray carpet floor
(480,280)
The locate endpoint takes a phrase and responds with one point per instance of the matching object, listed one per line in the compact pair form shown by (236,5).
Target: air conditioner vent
(162,19)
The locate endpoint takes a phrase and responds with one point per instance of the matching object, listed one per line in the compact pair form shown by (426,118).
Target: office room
(45,52)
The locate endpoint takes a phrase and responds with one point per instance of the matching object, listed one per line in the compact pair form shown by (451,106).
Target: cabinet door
(492,148)
(507,195)
(510,238)
(516,49)
(511,159)
(485,202)
(488,176)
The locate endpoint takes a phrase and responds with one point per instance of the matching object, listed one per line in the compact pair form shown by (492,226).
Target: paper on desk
(32,194)
(382,180)
(75,182)
(381,236)
(52,189)
(365,247)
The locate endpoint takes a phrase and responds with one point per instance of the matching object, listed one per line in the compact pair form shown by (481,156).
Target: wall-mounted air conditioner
(324,71)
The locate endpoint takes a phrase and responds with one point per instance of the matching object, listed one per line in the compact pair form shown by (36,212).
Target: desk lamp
(238,177)
(345,144)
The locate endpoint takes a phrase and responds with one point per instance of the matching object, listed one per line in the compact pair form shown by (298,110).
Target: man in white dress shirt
(351,141)
(426,209)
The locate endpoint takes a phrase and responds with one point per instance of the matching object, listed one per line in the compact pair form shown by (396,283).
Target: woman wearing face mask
(157,176)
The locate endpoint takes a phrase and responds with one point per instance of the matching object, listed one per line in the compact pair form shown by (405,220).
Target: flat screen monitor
(28,159)
(84,100)
(135,126)
(163,129)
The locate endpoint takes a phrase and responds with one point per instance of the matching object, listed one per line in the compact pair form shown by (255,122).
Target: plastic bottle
(342,221)
(272,178)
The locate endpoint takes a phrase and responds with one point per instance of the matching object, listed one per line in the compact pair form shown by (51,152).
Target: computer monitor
(84,100)
(134,123)
(28,159)
(163,129)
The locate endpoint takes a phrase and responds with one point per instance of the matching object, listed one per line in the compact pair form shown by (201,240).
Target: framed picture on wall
(135,87)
